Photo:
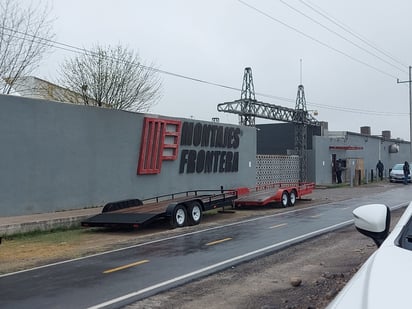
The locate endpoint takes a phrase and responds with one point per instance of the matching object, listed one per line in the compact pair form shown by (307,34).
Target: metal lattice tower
(248,108)
(301,115)
(247,98)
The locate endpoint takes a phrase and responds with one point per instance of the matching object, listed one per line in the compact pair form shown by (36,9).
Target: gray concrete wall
(322,160)
(372,149)
(57,156)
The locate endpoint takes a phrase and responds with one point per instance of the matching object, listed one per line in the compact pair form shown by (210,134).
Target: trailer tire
(292,197)
(179,218)
(194,213)
(284,200)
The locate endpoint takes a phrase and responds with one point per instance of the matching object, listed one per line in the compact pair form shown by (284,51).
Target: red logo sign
(159,142)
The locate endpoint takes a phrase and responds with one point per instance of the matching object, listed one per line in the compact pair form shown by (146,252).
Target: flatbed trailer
(186,208)
(183,208)
(285,193)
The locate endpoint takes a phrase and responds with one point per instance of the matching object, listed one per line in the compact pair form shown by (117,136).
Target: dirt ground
(322,265)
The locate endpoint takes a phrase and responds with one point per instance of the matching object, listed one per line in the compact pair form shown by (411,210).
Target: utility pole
(410,110)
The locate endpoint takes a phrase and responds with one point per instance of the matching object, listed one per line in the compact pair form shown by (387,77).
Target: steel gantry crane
(247,97)
(301,129)
(247,107)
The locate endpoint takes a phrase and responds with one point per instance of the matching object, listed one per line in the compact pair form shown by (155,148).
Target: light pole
(410,110)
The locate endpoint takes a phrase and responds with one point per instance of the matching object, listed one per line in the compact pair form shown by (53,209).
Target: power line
(78,50)
(331,107)
(349,30)
(72,48)
(315,39)
(43,41)
(341,36)
(359,111)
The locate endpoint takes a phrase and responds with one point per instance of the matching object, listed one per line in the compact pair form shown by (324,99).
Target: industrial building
(358,151)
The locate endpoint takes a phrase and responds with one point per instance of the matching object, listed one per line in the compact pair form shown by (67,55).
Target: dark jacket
(406,170)
(379,166)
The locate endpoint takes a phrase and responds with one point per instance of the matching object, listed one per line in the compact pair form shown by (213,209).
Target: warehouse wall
(57,156)
(354,147)
(279,138)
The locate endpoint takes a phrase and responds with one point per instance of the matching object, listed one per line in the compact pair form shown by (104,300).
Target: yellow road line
(125,266)
(279,225)
(218,241)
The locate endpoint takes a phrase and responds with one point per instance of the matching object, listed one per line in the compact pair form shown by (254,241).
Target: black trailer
(183,208)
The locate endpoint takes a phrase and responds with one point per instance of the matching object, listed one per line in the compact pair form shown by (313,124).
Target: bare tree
(25,36)
(113,77)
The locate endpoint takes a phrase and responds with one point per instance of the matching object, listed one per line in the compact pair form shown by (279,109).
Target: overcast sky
(214,40)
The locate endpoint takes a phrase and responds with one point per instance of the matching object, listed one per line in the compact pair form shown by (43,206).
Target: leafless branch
(112,77)
(24,33)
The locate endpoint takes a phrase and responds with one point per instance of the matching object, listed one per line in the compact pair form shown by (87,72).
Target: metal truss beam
(254,108)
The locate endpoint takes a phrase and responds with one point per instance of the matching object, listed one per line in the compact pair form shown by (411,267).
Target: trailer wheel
(194,213)
(179,217)
(292,198)
(285,199)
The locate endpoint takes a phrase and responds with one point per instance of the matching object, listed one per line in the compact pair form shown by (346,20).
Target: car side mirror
(373,220)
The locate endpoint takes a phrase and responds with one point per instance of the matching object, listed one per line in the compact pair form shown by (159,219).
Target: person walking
(338,170)
(379,167)
(406,172)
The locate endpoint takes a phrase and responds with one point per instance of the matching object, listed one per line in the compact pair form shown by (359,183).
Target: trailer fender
(112,206)
(169,210)
(242,191)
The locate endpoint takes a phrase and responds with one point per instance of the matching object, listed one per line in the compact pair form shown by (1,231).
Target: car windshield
(398,167)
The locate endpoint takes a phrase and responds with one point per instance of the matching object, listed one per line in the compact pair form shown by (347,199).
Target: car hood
(382,282)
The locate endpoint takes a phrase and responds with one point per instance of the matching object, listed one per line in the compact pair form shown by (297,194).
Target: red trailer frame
(286,193)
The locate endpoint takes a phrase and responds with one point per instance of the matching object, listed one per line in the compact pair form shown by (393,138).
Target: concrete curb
(45,222)
(45,225)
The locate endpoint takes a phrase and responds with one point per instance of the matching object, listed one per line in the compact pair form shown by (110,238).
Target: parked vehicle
(382,282)
(396,174)
(186,208)
(285,193)
(182,208)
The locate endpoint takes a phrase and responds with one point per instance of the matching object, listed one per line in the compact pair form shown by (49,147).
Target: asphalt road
(117,278)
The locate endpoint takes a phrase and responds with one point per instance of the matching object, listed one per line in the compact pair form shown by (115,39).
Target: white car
(396,173)
(383,281)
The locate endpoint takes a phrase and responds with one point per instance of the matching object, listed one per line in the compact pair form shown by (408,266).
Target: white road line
(278,225)
(178,236)
(234,259)
(162,239)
